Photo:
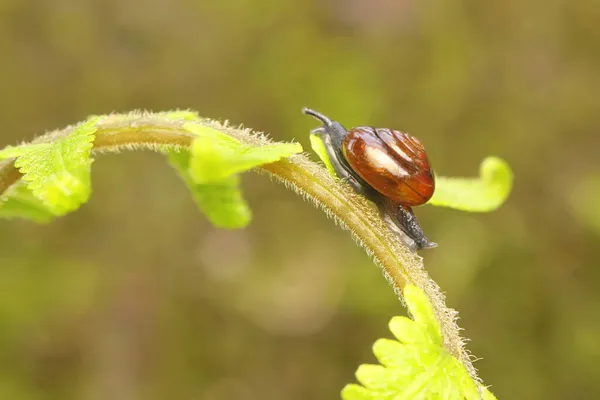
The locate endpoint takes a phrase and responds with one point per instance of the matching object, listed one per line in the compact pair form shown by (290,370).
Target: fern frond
(57,170)
(221,202)
(51,177)
(483,194)
(19,202)
(210,170)
(57,173)
(416,365)
(217,156)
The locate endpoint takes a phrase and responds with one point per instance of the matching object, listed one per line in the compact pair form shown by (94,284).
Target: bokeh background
(136,296)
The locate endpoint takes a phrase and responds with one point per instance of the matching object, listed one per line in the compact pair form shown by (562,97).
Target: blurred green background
(135,296)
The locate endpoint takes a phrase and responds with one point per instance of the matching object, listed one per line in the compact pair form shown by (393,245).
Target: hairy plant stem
(353,212)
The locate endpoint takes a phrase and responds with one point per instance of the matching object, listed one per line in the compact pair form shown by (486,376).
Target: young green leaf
(57,173)
(482,194)
(415,365)
(319,147)
(19,202)
(211,167)
(217,156)
(221,202)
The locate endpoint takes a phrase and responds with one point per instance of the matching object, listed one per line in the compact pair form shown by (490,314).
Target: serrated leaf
(483,194)
(221,202)
(57,173)
(356,392)
(394,354)
(376,377)
(407,331)
(416,366)
(19,202)
(211,167)
(217,156)
(16,151)
(422,313)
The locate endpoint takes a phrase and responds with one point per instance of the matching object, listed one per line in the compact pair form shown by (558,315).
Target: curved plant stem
(400,266)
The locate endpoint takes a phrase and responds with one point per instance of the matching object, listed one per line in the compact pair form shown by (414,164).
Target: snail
(388,167)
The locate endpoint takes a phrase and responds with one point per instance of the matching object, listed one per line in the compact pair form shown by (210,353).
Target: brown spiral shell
(392,162)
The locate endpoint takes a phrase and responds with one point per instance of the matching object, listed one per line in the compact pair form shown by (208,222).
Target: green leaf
(217,156)
(482,194)
(57,173)
(416,365)
(319,147)
(211,167)
(19,202)
(221,202)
